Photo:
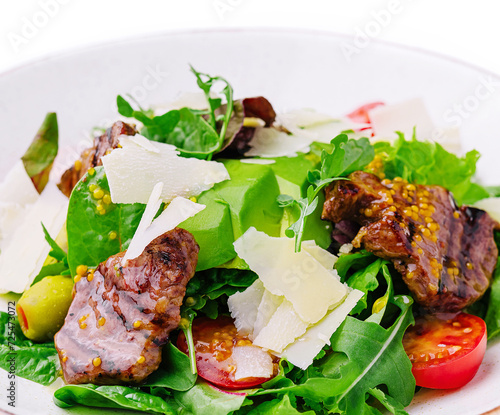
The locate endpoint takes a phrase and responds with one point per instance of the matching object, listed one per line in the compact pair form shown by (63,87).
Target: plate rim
(67,52)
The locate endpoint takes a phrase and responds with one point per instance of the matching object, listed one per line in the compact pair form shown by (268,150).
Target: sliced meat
(91,157)
(121,316)
(445,254)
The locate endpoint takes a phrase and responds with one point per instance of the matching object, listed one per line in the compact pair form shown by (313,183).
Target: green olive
(43,307)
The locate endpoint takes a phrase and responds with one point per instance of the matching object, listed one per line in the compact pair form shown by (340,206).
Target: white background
(468,30)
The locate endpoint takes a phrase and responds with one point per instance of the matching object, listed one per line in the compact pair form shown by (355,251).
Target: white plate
(293,69)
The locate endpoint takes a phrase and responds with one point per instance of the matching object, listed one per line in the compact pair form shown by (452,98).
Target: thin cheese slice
(324,257)
(176,212)
(299,277)
(269,142)
(24,253)
(403,116)
(267,307)
(283,328)
(11,217)
(17,186)
(252,362)
(303,118)
(134,170)
(244,306)
(302,352)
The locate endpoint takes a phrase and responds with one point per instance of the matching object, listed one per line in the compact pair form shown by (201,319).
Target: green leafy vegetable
(426,162)
(204,399)
(60,267)
(92,236)
(348,155)
(492,318)
(174,372)
(40,155)
(280,406)
(186,128)
(207,85)
(37,362)
(367,355)
(113,397)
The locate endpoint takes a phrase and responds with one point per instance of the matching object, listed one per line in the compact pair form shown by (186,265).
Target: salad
(288,299)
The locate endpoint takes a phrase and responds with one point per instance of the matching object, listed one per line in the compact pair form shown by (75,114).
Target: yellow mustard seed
(137,324)
(101,321)
(92,187)
(456,214)
(97,361)
(98,193)
(77,278)
(106,199)
(141,360)
(81,269)
(90,277)
(113,235)
(78,165)
(91,171)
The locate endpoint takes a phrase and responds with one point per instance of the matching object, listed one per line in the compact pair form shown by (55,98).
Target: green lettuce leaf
(93,237)
(37,362)
(40,155)
(426,162)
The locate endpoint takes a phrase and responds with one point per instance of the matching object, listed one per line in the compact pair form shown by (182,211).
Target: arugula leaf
(367,355)
(60,267)
(93,237)
(40,155)
(56,252)
(347,156)
(380,355)
(214,103)
(37,362)
(425,162)
(120,397)
(393,406)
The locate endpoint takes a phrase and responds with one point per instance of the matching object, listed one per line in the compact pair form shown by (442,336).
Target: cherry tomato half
(214,341)
(445,352)
(361,114)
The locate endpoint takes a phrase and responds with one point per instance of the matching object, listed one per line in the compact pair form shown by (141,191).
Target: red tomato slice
(213,342)
(361,114)
(445,352)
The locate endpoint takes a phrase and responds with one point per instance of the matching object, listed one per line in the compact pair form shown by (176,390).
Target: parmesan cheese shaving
(311,288)
(244,307)
(302,352)
(134,170)
(282,329)
(252,362)
(22,258)
(149,228)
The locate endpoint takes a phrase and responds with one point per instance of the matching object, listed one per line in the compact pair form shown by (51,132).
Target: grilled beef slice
(121,317)
(91,157)
(445,254)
